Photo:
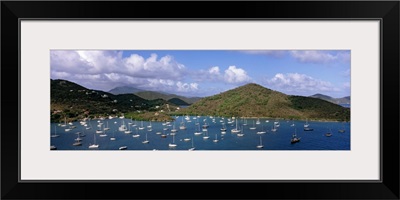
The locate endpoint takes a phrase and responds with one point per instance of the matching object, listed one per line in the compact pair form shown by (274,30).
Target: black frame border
(386,11)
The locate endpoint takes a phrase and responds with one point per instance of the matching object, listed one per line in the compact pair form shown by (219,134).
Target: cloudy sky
(206,72)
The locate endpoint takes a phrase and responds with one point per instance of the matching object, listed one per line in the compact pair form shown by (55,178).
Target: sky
(203,73)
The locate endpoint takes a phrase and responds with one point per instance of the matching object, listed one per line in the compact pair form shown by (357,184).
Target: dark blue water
(279,140)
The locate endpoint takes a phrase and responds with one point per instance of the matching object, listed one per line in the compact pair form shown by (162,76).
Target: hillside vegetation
(253,100)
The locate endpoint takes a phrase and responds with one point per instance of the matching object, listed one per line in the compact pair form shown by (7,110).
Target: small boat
(262,130)
(198,131)
(193,148)
(308,129)
(186,139)
(216,138)
(294,139)
(123,148)
(329,133)
(241,134)
(306,124)
(146,141)
(173,142)
(254,126)
(260,145)
(77,143)
(55,135)
(235,130)
(137,134)
(52,147)
(94,145)
(113,137)
(206,135)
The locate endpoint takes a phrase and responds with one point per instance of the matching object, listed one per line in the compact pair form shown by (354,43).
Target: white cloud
(186,87)
(214,70)
(101,62)
(320,57)
(299,83)
(236,75)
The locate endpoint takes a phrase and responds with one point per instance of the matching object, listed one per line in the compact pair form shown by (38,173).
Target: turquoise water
(279,140)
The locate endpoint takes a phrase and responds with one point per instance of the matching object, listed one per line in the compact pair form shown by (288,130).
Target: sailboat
(306,124)
(55,135)
(146,141)
(173,142)
(254,126)
(193,148)
(104,133)
(163,135)
(182,126)
(94,145)
(128,131)
(223,129)
(113,137)
(262,130)
(123,148)
(342,130)
(141,126)
(241,134)
(235,130)
(99,130)
(198,131)
(329,133)
(216,138)
(123,126)
(77,141)
(274,129)
(107,128)
(260,145)
(206,135)
(258,121)
(294,138)
(52,147)
(137,134)
(65,122)
(174,130)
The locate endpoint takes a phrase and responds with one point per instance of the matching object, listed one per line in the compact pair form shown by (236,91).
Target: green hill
(73,101)
(124,90)
(343,100)
(253,100)
(150,95)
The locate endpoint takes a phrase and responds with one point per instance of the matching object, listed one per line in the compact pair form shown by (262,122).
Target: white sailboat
(262,130)
(94,145)
(55,134)
(173,142)
(146,141)
(104,133)
(306,124)
(198,132)
(260,145)
(206,135)
(193,148)
(241,134)
(137,134)
(258,121)
(141,126)
(107,128)
(77,141)
(113,137)
(235,130)
(254,126)
(216,138)
(123,148)
(128,130)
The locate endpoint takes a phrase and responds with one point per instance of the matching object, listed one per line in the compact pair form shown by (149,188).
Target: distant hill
(343,100)
(150,95)
(177,101)
(124,90)
(252,100)
(74,101)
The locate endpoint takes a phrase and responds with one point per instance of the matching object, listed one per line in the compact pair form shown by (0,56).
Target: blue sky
(207,72)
